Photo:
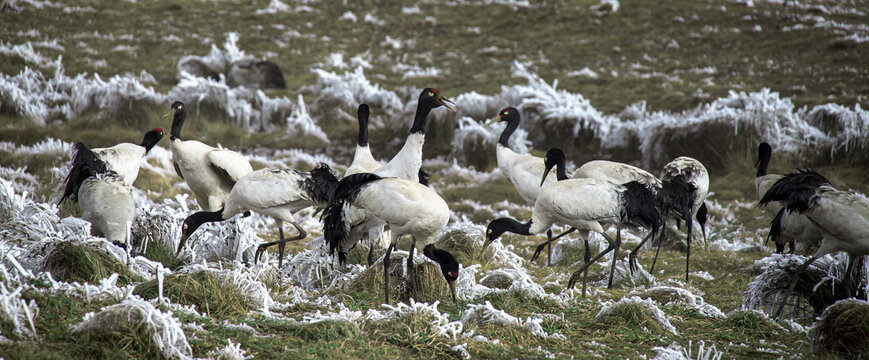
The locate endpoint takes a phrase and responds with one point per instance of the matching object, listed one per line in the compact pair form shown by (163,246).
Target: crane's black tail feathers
(640,209)
(85,163)
(677,195)
(795,190)
(775,229)
(322,183)
(335,227)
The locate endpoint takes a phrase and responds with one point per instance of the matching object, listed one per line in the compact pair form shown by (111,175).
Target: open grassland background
(657,59)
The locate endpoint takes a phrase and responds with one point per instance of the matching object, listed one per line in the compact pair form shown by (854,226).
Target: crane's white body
(209,172)
(794,226)
(523,171)
(693,172)
(616,172)
(277,193)
(123,159)
(843,219)
(409,208)
(363,161)
(584,203)
(107,202)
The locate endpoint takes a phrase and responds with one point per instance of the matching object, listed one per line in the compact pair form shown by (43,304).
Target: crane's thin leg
(847,279)
(541,245)
(282,243)
(585,267)
(660,241)
(615,257)
(796,278)
(411,276)
(689,223)
(371,252)
(632,257)
(587,258)
(386,261)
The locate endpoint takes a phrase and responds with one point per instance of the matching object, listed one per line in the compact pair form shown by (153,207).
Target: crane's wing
(229,165)
(267,188)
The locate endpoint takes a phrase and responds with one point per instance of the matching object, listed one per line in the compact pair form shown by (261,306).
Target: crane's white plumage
(209,172)
(523,171)
(278,193)
(408,207)
(124,158)
(107,202)
(616,172)
(103,197)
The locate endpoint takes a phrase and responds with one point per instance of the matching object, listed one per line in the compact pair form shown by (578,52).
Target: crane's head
(433,98)
(554,157)
(151,138)
(449,265)
(508,114)
(175,107)
(193,222)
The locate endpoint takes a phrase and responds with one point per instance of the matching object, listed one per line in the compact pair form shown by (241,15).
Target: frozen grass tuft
(843,330)
(634,311)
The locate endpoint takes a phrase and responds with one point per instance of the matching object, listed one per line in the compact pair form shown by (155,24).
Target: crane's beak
(181,244)
(445,102)
(545,174)
(170,113)
(492,120)
(452,284)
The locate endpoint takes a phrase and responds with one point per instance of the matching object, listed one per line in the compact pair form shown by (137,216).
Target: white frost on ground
(486,313)
(676,352)
(648,304)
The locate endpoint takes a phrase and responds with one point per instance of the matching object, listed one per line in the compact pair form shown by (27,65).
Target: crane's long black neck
(422,111)
(446,260)
(196,220)
(177,123)
(512,125)
(514,226)
(763,156)
(362,138)
(560,173)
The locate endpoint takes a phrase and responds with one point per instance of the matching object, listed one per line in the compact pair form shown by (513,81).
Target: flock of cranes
(374,197)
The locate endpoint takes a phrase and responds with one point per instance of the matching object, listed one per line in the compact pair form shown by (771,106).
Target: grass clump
(69,262)
(843,330)
(752,324)
(430,282)
(206,290)
(634,312)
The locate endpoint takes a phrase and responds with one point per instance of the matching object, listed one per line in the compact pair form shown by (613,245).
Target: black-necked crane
(363,161)
(842,217)
(104,198)
(278,193)
(611,171)
(521,170)
(124,158)
(405,164)
(407,207)
(255,73)
(684,185)
(585,204)
(787,227)
(209,172)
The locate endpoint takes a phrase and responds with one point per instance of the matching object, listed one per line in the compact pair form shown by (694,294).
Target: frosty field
(631,81)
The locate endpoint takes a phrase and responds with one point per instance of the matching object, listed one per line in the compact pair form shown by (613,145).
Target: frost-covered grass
(626,80)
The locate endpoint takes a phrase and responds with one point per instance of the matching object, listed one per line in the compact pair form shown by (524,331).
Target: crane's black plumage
(151,138)
(639,207)
(764,154)
(796,190)
(334,224)
(424,177)
(321,184)
(85,163)
(178,120)
(677,195)
(512,119)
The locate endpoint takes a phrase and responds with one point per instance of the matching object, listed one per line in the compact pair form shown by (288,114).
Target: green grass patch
(204,289)
(69,262)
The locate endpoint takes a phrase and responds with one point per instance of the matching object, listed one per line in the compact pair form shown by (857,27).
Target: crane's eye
(185,226)
(430,93)
(505,113)
(179,107)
